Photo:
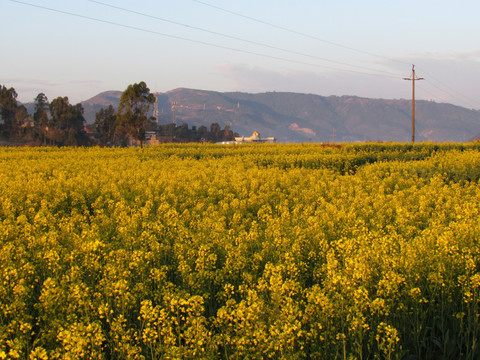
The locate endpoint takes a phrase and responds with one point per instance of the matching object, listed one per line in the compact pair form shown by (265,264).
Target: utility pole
(413,78)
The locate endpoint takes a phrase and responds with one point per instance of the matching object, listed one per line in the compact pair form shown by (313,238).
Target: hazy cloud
(28,88)
(28,81)
(449,78)
(257,79)
(86,82)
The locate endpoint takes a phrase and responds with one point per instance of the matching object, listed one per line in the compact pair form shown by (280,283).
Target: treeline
(54,123)
(60,123)
(183,133)
(111,133)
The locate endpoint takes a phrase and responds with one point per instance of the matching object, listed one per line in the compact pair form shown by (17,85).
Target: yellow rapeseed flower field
(201,251)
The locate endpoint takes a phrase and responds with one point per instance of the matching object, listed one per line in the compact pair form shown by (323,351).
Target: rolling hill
(306,117)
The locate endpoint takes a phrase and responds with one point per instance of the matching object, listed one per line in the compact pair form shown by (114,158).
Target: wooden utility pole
(412,79)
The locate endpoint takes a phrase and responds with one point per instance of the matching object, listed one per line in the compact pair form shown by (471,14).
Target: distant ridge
(102,100)
(306,117)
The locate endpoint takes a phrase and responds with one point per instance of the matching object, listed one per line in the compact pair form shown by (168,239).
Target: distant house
(255,138)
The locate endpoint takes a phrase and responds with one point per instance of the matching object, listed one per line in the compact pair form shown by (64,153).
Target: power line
(279,27)
(443,90)
(241,39)
(448,90)
(239,50)
(433,95)
(131,27)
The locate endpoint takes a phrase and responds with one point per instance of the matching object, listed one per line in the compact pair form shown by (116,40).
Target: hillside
(307,117)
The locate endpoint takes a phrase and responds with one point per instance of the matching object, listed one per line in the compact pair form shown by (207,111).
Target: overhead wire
(378,73)
(131,27)
(448,90)
(242,39)
(292,31)
(424,89)
(444,88)
(450,94)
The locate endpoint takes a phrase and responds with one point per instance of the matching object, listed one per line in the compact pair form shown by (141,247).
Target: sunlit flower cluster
(200,251)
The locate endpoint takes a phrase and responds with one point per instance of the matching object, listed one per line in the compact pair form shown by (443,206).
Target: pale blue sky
(344,47)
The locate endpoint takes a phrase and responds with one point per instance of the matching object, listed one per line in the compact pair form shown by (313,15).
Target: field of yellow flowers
(282,251)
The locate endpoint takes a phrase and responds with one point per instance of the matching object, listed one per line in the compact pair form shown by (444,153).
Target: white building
(256,138)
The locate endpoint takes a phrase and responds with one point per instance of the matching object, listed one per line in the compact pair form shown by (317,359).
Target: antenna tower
(156,113)
(413,78)
(174,109)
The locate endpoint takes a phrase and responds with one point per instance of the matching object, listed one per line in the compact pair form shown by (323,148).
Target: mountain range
(294,117)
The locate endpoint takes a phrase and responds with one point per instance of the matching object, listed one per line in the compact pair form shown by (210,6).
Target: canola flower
(284,251)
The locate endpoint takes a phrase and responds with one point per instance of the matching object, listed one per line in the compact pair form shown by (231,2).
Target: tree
(202,132)
(182,132)
(105,124)
(23,122)
(40,115)
(228,134)
(215,130)
(132,111)
(8,108)
(67,122)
